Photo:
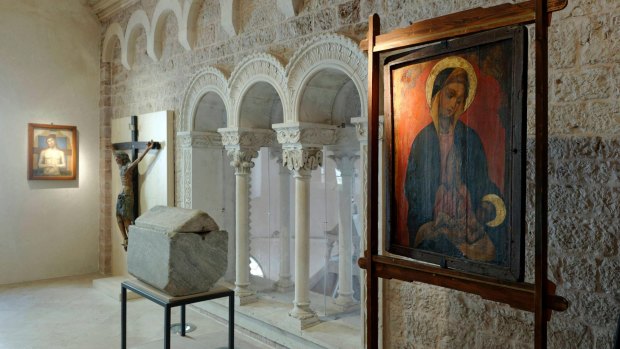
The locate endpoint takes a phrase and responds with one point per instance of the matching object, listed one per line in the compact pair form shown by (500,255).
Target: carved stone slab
(176,250)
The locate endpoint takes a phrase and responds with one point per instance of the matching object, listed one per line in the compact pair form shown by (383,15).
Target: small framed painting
(52,152)
(455,153)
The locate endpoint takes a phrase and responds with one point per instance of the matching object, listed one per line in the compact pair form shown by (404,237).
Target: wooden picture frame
(52,152)
(455,152)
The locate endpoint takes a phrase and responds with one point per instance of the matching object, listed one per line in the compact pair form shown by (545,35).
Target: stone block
(564,330)
(349,12)
(580,171)
(563,40)
(579,273)
(324,20)
(176,250)
(302,25)
(610,276)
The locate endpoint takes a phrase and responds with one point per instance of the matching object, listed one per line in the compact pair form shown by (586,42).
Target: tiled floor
(68,313)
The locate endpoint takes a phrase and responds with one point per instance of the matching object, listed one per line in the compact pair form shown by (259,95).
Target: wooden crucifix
(128,200)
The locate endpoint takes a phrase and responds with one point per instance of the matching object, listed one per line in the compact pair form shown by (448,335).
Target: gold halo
(452,62)
(500,209)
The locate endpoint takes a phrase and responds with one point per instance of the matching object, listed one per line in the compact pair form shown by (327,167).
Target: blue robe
(423,179)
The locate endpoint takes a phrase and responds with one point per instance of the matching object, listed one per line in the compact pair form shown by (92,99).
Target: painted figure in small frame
(455,145)
(52,152)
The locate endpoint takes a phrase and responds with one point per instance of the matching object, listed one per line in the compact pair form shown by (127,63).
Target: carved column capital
(361,128)
(345,161)
(241,160)
(277,155)
(302,160)
(305,134)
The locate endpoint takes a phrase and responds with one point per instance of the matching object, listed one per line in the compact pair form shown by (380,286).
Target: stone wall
(584,199)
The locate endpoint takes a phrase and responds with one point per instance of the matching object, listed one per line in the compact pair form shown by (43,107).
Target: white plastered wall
(49,69)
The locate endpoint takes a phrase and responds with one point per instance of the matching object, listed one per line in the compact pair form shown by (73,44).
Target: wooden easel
(539,297)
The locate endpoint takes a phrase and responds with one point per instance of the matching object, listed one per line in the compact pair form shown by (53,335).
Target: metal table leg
(231,321)
(183,320)
(167,327)
(123,317)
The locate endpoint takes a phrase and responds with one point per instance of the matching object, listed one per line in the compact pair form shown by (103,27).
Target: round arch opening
(210,113)
(330,97)
(261,107)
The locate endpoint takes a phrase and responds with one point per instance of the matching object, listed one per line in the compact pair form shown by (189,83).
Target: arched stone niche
(209,81)
(185,14)
(205,109)
(328,66)
(207,177)
(258,82)
(327,83)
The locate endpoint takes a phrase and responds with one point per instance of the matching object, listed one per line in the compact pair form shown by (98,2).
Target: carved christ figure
(125,200)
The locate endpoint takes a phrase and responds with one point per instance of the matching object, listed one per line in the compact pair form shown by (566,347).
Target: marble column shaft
(241,160)
(302,162)
(284,282)
(346,165)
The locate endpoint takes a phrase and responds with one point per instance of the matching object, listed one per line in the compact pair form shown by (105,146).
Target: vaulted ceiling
(104,9)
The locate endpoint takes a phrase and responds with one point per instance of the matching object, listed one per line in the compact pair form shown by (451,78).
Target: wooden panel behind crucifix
(127,203)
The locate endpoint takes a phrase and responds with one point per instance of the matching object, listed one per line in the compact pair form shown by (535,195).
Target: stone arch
(186,15)
(187,28)
(259,77)
(138,19)
(229,17)
(107,50)
(332,64)
(209,81)
(163,9)
(207,179)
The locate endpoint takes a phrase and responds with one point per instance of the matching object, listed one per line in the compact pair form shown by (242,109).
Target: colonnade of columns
(302,153)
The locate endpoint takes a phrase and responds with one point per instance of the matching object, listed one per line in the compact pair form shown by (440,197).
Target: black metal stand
(169,302)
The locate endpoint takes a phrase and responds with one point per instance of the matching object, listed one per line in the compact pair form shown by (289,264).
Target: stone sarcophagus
(177,250)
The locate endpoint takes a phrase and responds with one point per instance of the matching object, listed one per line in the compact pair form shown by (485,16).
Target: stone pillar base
(304,317)
(345,303)
(284,285)
(245,299)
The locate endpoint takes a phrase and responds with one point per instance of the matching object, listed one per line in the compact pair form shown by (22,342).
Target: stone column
(301,153)
(345,163)
(302,162)
(284,282)
(242,146)
(241,160)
